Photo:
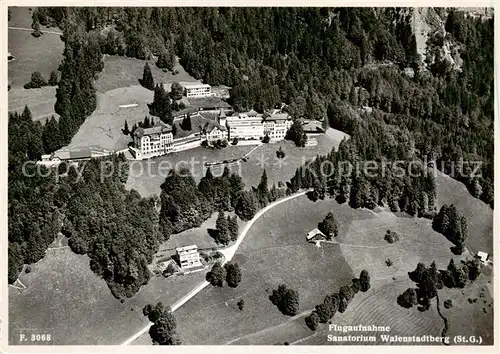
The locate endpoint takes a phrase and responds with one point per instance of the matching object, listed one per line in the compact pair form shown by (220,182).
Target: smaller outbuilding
(315,235)
(483,257)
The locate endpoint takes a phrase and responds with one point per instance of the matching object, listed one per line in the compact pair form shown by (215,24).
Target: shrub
(408,298)
(388,262)
(391,236)
(241,304)
(266,139)
(27,270)
(235,141)
(448,304)
(36,81)
(312,321)
(287,300)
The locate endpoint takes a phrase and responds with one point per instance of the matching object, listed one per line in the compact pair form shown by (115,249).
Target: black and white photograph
(248,176)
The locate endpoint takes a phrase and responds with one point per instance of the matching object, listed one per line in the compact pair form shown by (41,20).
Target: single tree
(186,123)
(125,130)
(364,281)
(241,304)
(233,274)
(232,223)
(36,28)
(217,275)
(147,78)
(53,80)
(408,298)
(221,225)
(287,300)
(296,134)
(176,91)
(312,321)
(329,226)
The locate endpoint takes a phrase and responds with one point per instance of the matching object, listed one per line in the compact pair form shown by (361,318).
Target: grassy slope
(479,215)
(104,127)
(40,101)
(148,183)
(65,297)
(274,252)
(123,72)
(31,54)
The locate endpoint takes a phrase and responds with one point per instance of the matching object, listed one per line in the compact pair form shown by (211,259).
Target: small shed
(483,256)
(315,235)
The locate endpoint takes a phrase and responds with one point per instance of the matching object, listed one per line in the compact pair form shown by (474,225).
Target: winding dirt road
(31,30)
(228,253)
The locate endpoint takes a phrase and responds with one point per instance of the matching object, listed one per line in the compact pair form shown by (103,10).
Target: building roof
(186,249)
(246,115)
(312,126)
(482,255)
(211,123)
(314,232)
(80,154)
(222,114)
(278,116)
(194,85)
(158,128)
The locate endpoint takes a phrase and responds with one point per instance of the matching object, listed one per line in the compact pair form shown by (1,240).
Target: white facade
(197,90)
(188,256)
(155,141)
(246,126)
(277,125)
(254,126)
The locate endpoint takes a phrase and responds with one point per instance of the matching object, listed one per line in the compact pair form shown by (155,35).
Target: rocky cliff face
(434,45)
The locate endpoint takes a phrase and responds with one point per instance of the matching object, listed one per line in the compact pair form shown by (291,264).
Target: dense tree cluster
(325,311)
(429,280)
(116,228)
(286,299)
(164,328)
(345,176)
(161,105)
(185,205)
(453,225)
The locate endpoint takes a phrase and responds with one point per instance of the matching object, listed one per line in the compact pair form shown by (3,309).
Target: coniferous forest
(325,64)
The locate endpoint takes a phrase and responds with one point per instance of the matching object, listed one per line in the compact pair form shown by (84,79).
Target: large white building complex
(159,140)
(196,90)
(188,256)
(254,126)
(246,126)
(155,141)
